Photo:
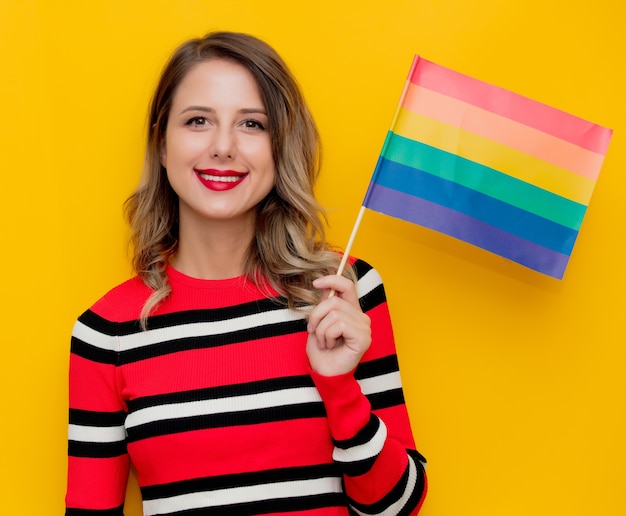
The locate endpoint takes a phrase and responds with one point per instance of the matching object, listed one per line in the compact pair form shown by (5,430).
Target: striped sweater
(219,412)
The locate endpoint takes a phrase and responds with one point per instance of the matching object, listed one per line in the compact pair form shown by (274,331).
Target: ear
(162,153)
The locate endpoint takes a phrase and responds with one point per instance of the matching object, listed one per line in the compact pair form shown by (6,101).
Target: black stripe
(96,450)
(217,314)
(361,268)
(358,467)
(250,417)
(377,367)
(222,391)
(93,353)
(110,328)
(365,435)
(253,478)
(381,400)
(118,511)
(101,325)
(210,341)
(418,456)
(373,298)
(93,418)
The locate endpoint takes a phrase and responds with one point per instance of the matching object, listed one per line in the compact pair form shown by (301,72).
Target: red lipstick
(219,180)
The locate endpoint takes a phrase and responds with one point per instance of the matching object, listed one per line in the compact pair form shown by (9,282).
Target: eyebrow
(205,109)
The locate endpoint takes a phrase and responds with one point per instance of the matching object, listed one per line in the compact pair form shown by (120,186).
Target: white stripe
(363,451)
(93,337)
(368,282)
(396,507)
(245,494)
(96,434)
(231,404)
(202,329)
(382,383)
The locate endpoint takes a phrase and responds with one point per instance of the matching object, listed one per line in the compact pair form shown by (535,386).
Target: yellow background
(514,380)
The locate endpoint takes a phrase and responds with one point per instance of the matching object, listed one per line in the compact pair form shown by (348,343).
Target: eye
(197,121)
(253,124)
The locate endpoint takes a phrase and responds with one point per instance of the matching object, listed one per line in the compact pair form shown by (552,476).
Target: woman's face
(217,148)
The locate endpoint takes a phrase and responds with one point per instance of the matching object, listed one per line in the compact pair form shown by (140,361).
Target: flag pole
(346,252)
(357,223)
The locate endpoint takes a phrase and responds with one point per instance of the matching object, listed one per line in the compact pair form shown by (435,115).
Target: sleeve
(368,419)
(98,464)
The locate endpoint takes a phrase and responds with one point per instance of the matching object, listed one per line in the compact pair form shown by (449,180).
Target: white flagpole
(346,252)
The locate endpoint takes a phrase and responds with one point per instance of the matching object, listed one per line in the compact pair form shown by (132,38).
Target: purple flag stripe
(453,223)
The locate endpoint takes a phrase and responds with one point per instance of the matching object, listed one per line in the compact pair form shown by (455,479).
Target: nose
(222,144)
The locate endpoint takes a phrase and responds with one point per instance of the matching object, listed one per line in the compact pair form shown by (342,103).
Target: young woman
(224,371)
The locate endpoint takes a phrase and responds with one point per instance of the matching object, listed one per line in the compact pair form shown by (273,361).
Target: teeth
(220,179)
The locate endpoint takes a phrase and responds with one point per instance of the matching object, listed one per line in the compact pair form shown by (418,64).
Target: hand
(339,331)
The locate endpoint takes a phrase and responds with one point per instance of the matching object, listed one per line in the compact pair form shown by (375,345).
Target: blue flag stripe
(486,180)
(491,211)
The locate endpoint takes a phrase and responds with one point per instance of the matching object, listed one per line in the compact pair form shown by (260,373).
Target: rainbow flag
(489,167)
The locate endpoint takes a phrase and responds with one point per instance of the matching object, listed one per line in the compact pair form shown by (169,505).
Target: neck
(214,251)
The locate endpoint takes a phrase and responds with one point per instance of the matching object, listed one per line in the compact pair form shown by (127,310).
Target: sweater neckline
(175,276)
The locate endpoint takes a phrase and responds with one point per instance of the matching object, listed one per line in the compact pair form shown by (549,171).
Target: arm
(356,372)
(98,464)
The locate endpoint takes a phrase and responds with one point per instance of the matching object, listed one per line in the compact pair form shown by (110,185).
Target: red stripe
(250,361)
(96,483)
(93,386)
(396,418)
(185,456)
(124,302)
(511,105)
(382,335)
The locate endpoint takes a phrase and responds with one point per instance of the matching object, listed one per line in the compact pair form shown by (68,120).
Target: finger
(322,310)
(343,287)
(341,327)
(330,330)
(335,311)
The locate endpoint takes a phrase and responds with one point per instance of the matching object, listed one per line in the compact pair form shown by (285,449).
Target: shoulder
(123,302)
(94,332)
(116,313)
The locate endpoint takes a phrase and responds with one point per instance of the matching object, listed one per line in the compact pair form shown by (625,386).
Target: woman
(224,371)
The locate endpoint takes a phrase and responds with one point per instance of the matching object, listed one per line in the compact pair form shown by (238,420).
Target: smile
(223,179)
(220,180)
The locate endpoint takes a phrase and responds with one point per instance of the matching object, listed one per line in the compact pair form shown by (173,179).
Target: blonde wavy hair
(289,248)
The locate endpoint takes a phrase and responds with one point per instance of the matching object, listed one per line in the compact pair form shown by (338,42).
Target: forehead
(218,80)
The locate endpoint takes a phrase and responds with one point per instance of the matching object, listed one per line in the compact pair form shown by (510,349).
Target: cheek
(179,149)
(262,154)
